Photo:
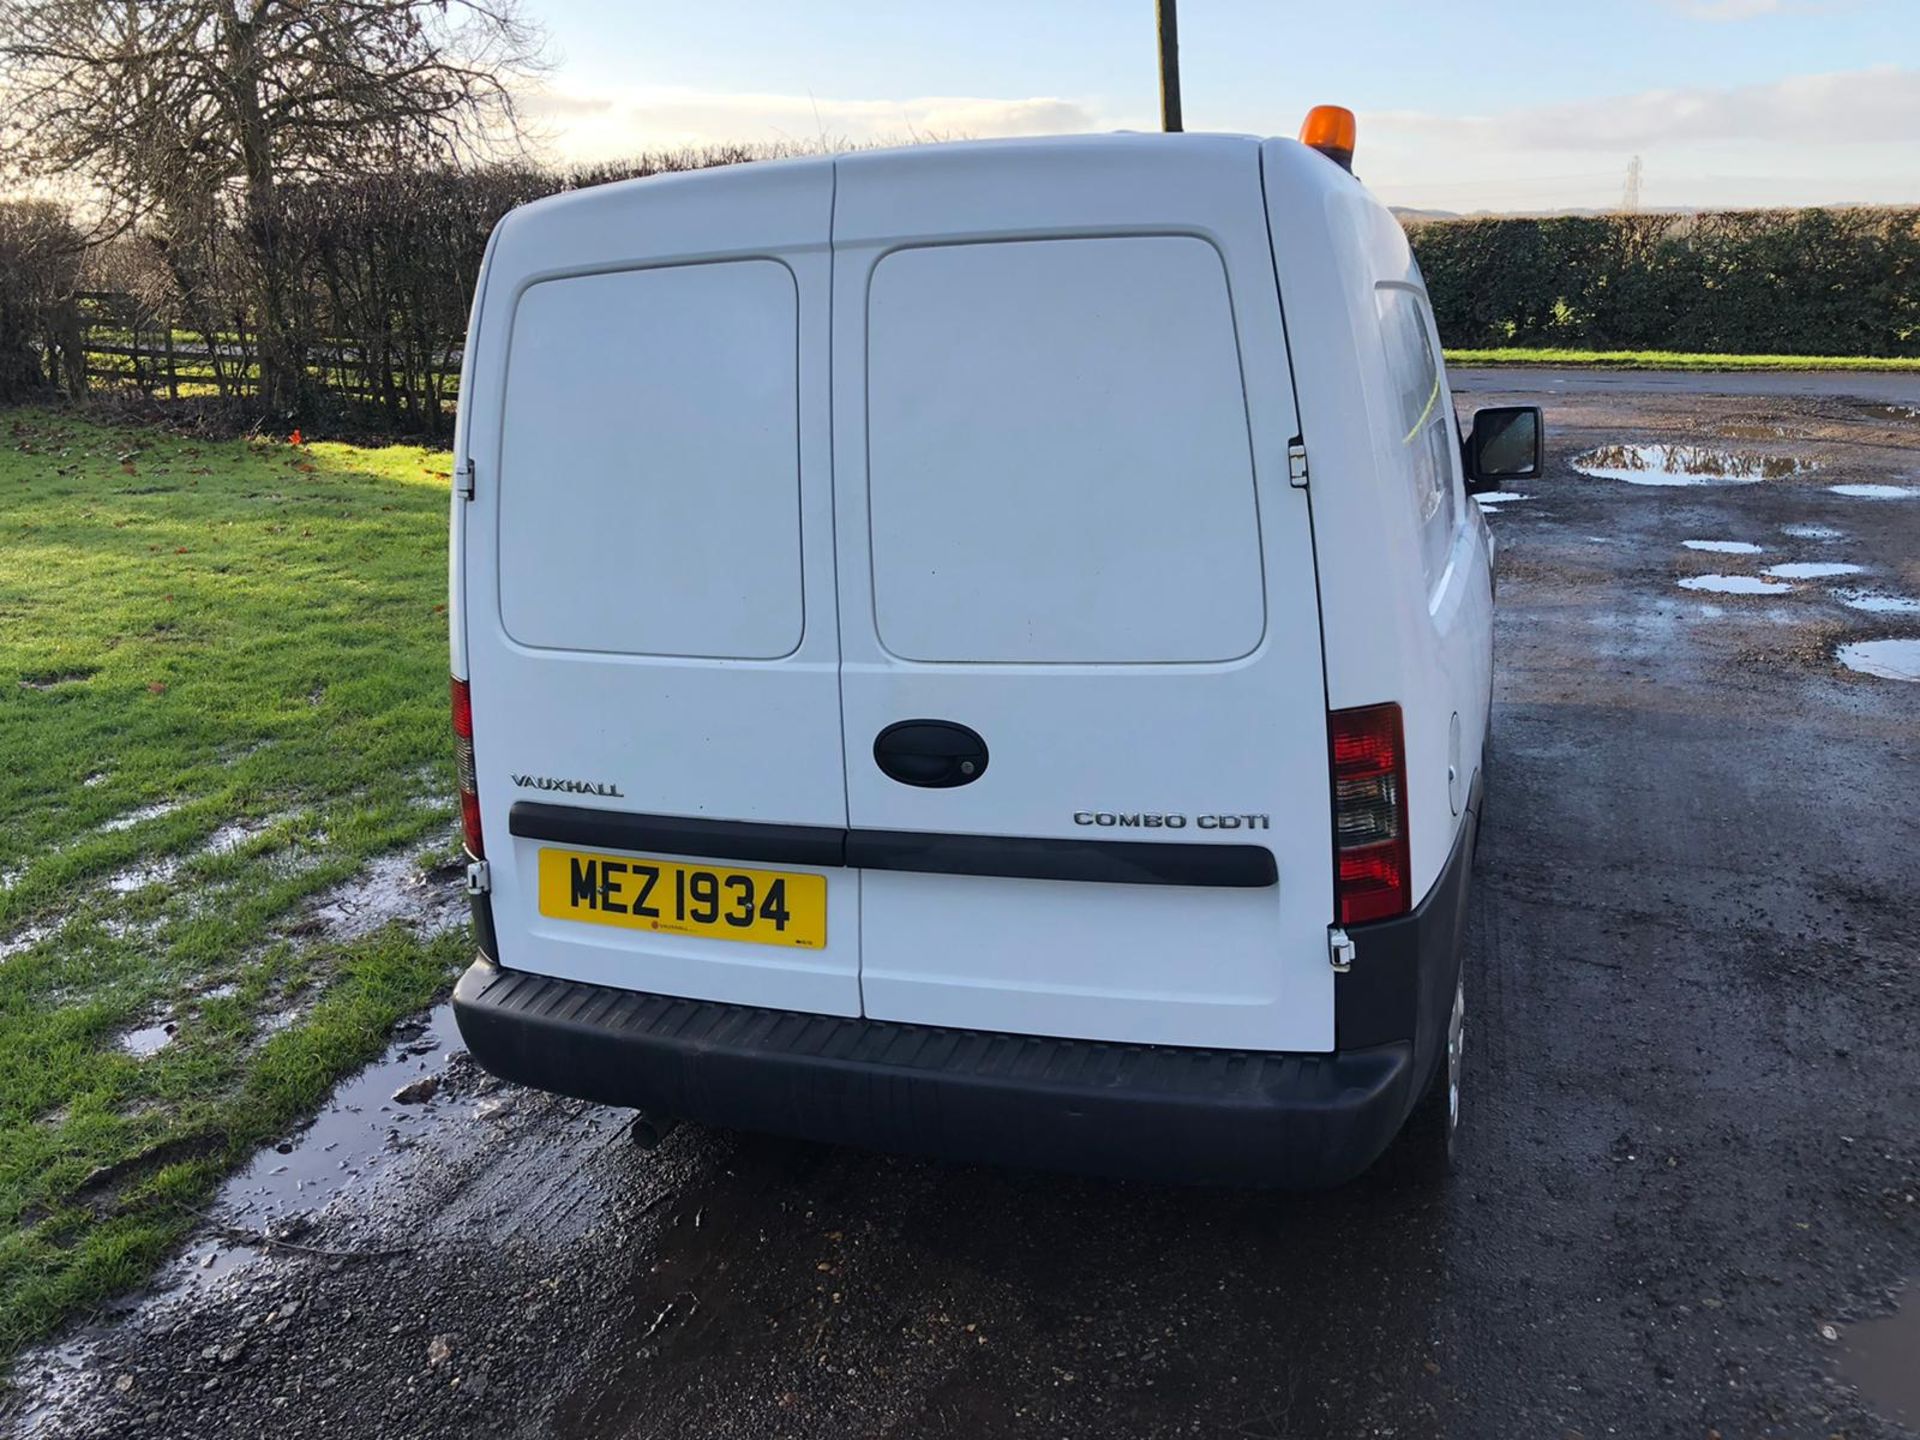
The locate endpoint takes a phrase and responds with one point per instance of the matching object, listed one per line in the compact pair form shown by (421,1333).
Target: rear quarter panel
(1388,638)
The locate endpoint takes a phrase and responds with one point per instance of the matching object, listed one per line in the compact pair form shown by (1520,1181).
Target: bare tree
(178,111)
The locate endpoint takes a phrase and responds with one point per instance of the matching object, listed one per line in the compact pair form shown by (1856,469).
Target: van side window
(1424,423)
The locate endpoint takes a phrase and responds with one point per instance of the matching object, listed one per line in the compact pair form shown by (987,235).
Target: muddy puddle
(140,816)
(1813,570)
(1885,659)
(1735,585)
(1813,532)
(1723,547)
(149,1039)
(1874,603)
(1881,1358)
(1678,465)
(359,1133)
(393,887)
(1877,492)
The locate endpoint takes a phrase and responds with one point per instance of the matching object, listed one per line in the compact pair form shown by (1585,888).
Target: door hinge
(1297,465)
(1340,949)
(479,878)
(463,480)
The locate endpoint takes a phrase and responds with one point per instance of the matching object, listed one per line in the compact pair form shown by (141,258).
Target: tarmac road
(1687,1198)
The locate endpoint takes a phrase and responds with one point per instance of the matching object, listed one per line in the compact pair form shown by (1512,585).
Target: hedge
(385,265)
(1743,282)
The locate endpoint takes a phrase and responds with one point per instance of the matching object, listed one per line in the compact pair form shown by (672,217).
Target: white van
(976,649)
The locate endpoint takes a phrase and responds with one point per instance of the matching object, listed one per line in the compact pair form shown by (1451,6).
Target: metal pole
(1169,66)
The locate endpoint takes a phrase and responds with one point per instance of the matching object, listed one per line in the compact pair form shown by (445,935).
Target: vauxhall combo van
(980,650)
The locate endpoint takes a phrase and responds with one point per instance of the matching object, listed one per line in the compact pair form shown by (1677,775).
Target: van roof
(1298,183)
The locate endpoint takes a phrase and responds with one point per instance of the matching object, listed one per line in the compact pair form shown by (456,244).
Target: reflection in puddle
(1888,659)
(1734,585)
(1686,465)
(1878,492)
(393,887)
(147,872)
(24,940)
(1878,1357)
(1813,569)
(1813,532)
(361,1129)
(1878,604)
(1723,547)
(149,1039)
(140,816)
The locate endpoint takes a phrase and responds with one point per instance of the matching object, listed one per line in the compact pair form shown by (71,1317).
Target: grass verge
(222,679)
(1677,360)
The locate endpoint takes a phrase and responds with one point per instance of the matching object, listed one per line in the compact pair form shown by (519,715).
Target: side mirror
(1504,445)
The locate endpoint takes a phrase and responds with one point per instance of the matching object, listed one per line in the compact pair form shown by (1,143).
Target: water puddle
(1875,604)
(22,941)
(361,1130)
(1813,570)
(1877,1358)
(149,1039)
(1877,492)
(1673,465)
(235,833)
(1887,659)
(393,887)
(1893,412)
(1723,547)
(140,816)
(1813,532)
(1734,585)
(147,872)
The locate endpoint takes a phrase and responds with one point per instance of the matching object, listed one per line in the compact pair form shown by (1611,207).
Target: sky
(1467,105)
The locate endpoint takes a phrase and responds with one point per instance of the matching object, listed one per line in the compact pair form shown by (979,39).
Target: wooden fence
(127,345)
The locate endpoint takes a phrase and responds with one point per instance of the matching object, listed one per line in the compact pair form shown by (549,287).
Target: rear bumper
(1201,1116)
(1140,1111)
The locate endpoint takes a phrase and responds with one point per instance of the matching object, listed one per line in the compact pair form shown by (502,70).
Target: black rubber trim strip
(1126,862)
(1119,862)
(678,835)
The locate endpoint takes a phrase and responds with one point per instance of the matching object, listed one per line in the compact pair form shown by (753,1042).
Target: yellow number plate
(638,892)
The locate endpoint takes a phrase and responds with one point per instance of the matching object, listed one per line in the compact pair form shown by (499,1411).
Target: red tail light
(1370,814)
(463,769)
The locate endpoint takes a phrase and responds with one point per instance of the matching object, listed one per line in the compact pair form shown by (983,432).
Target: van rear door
(649,594)
(1062,414)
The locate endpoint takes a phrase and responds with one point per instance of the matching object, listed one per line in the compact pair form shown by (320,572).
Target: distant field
(1677,360)
(222,697)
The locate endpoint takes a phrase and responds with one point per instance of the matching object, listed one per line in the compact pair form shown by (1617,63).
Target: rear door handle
(932,754)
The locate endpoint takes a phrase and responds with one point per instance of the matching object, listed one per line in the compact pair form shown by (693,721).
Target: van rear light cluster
(463,769)
(1370,814)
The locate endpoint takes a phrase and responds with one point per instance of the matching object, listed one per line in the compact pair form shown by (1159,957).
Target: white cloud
(1856,107)
(1728,9)
(578,126)
(1805,140)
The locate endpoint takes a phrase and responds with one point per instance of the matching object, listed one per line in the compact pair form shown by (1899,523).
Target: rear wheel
(1427,1143)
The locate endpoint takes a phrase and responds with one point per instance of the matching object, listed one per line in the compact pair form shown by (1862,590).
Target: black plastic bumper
(1152,1112)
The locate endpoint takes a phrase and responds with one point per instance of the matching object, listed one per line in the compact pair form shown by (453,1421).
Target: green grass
(245,632)
(1676,360)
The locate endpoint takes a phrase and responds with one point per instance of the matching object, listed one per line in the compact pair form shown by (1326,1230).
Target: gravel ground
(1687,1200)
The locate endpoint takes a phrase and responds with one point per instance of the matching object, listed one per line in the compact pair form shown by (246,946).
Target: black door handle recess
(933,754)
